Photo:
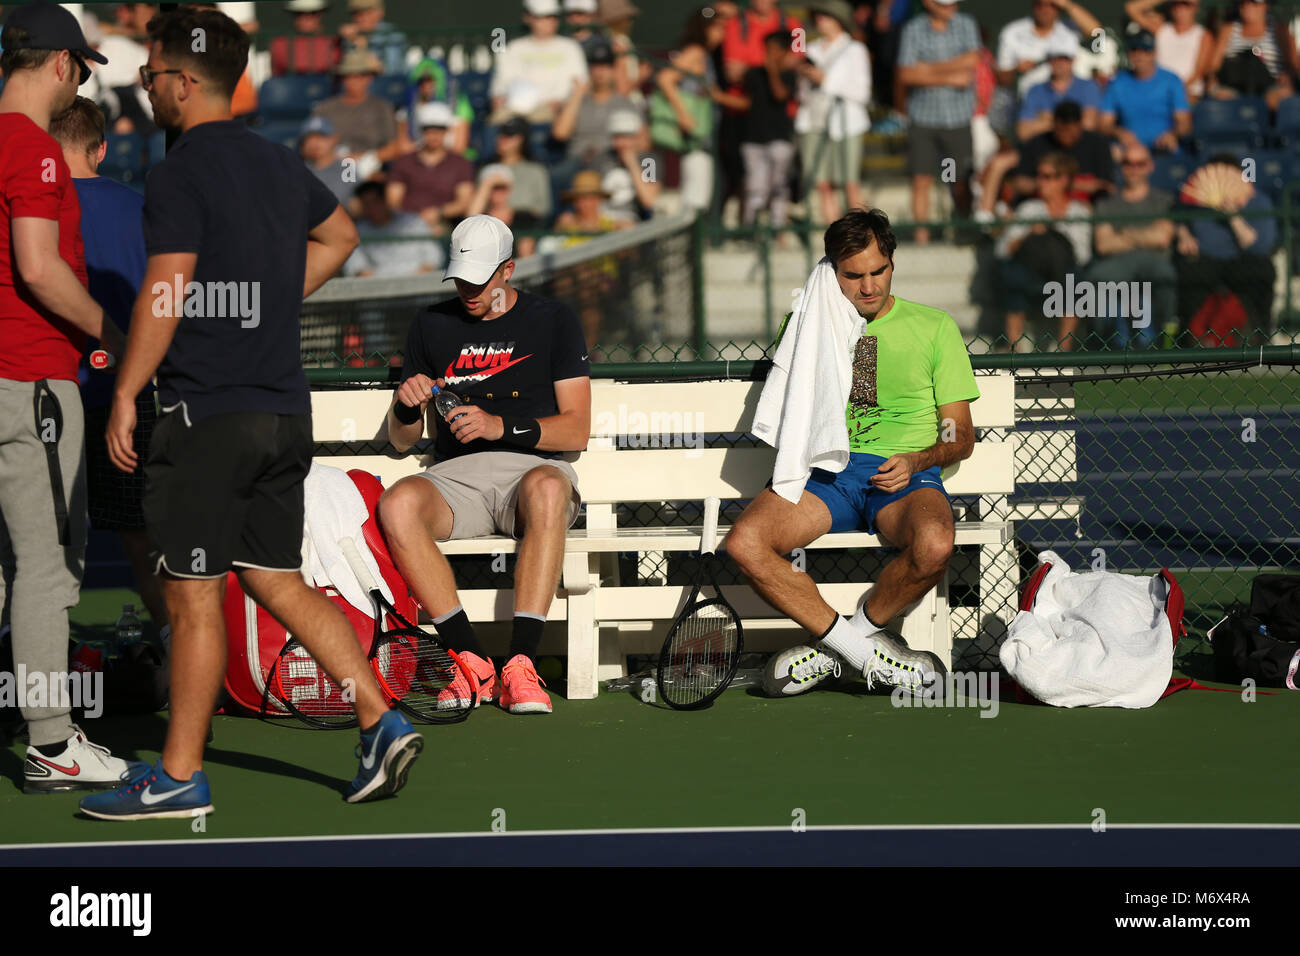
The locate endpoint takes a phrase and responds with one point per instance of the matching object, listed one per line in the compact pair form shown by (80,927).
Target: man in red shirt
(742,46)
(45,316)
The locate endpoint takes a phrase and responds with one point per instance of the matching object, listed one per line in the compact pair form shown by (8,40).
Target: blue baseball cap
(316,124)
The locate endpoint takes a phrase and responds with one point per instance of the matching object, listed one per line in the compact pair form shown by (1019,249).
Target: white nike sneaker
(798,669)
(81,766)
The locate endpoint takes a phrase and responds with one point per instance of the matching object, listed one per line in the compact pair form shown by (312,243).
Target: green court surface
(841,756)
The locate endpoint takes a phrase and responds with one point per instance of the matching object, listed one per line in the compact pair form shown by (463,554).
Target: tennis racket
(703,646)
(306,691)
(412,666)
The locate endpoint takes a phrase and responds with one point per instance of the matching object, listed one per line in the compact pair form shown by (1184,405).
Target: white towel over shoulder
(801,411)
(334,509)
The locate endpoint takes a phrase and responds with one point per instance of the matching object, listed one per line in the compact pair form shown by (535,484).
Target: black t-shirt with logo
(507,365)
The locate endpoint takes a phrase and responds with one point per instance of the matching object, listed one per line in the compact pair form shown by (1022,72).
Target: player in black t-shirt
(519,363)
(237,232)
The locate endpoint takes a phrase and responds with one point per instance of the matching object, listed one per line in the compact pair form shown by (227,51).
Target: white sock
(862,624)
(845,641)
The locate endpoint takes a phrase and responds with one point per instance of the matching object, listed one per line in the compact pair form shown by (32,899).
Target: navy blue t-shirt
(245,205)
(111,230)
(507,365)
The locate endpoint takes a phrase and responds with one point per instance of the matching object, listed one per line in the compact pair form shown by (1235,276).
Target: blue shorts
(853,500)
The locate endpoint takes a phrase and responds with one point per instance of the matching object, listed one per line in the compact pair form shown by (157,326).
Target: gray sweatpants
(46,576)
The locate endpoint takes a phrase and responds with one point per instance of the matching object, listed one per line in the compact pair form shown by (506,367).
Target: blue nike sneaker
(150,793)
(386,755)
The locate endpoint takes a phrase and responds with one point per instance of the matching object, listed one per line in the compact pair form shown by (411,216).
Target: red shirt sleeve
(35,180)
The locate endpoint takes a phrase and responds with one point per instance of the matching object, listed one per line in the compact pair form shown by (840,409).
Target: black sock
(457,633)
(527,636)
(51,751)
(371,729)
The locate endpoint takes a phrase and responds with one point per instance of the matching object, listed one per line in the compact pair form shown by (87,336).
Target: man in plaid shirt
(936,69)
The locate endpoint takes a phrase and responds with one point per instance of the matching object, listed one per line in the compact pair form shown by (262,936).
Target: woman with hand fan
(1227,253)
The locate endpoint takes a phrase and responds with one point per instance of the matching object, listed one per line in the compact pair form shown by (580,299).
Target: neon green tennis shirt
(909,361)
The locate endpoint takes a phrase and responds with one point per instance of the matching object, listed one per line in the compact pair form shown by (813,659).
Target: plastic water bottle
(444,401)
(129,630)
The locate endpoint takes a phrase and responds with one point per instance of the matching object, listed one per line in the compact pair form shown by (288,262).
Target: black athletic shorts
(114,496)
(226,492)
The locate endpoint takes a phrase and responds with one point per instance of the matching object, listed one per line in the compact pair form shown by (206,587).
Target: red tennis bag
(255,638)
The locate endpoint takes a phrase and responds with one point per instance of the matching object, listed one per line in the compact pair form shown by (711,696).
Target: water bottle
(129,630)
(444,400)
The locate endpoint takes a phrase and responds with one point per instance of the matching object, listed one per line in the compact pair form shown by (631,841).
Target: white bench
(604,619)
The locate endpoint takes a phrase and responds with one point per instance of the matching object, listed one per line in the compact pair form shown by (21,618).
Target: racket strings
(701,654)
(418,674)
(308,692)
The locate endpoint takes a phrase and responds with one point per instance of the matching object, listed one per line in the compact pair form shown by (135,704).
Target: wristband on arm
(406,414)
(523,432)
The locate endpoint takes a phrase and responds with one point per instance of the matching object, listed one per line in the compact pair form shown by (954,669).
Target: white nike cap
(478,245)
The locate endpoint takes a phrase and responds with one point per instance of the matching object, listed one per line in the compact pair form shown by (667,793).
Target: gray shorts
(928,147)
(482,489)
(836,161)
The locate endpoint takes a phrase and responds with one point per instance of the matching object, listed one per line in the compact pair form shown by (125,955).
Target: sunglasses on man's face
(82,65)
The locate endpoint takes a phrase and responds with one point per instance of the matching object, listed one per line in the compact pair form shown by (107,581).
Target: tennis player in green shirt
(908,417)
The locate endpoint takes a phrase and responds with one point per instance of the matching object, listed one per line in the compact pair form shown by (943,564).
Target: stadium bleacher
(292,97)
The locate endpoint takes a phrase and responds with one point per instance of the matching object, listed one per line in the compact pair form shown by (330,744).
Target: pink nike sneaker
(482,681)
(521,691)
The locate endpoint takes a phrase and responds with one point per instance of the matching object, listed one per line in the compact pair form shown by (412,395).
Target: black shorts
(928,147)
(115,498)
(227,492)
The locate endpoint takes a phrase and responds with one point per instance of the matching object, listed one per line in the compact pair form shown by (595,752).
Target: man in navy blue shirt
(237,231)
(113,236)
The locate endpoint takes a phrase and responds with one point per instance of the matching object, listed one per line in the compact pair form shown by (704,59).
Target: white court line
(659,831)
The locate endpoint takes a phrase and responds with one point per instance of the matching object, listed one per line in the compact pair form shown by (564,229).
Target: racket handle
(102,359)
(352,554)
(709,535)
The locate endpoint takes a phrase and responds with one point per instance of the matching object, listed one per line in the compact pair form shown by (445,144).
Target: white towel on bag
(1093,639)
(801,411)
(334,510)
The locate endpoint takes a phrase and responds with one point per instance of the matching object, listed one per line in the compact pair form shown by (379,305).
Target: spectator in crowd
(627,173)
(318,146)
(586,197)
(432,82)
(1094,169)
(310,49)
(832,116)
(1255,55)
(883,22)
(584,122)
(767,139)
(580,17)
(1146,103)
(367,29)
(493,196)
(1030,256)
(535,74)
(985,138)
(937,57)
(630,71)
(113,236)
(390,243)
(1229,252)
(530,181)
(684,114)
(48,315)
(365,124)
(1023,44)
(744,44)
(1036,107)
(1183,46)
(591,285)
(120,93)
(1133,251)
(432,182)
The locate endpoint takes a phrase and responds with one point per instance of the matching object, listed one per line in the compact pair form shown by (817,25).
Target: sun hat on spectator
(1061,46)
(624,123)
(837,9)
(542,8)
(357,62)
(316,126)
(307,6)
(478,246)
(437,115)
(946,3)
(586,183)
(355,6)
(579,6)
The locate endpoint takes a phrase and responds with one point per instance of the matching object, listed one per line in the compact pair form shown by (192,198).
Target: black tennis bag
(1262,641)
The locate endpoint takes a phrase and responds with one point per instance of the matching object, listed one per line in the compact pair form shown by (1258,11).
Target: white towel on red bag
(801,409)
(334,510)
(1093,639)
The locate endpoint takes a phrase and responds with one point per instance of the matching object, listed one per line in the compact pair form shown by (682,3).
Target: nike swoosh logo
(149,798)
(479,374)
(584,358)
(522,431)
(464,250)
(368,760)
(72,771)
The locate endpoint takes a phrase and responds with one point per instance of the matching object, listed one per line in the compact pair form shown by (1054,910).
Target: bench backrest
(646,440)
